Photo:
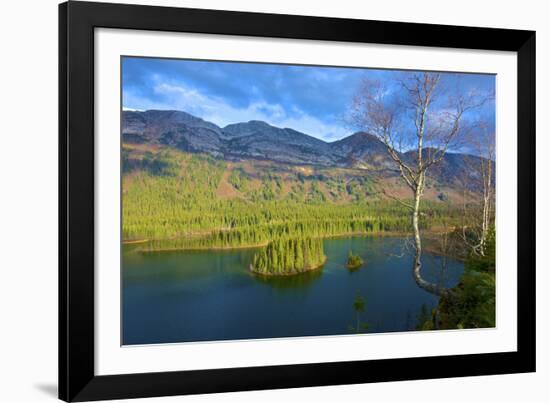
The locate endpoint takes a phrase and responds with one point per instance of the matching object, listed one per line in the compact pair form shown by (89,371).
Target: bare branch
(415,116)
(400,201)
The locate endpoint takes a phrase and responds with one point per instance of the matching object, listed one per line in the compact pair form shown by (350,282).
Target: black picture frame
(77,379)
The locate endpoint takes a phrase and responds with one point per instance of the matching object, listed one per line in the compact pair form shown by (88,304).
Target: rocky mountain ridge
(259,140)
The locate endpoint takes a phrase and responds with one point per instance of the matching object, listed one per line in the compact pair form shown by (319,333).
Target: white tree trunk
(417,264)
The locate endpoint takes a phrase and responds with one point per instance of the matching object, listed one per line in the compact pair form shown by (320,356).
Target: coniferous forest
(173,200)
(289,256)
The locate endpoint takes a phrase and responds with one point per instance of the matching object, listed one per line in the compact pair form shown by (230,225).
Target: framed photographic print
(254,201)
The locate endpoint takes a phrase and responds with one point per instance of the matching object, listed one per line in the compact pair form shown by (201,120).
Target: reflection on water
(210,295)
(302,280)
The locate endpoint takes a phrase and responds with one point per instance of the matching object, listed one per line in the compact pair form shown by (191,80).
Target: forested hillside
(180,200)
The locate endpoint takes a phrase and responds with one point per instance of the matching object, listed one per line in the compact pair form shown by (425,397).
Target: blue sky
(313,100)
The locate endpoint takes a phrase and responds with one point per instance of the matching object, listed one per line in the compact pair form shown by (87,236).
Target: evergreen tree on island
(283,257)
(354,261)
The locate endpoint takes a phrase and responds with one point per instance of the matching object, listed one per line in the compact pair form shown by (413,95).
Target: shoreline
(213,248)
(427,242)
(220,248)
(134,241)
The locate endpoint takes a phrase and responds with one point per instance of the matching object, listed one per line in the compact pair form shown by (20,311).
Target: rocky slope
(259,140)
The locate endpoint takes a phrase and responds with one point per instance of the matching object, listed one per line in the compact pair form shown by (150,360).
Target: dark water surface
(210,295)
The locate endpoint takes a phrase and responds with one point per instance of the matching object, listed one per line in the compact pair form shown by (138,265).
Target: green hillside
(179,200)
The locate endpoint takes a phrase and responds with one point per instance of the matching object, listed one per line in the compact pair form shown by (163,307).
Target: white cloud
(218,111)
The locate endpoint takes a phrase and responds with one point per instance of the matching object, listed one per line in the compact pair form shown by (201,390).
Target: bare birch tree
(479,204)
(408,120)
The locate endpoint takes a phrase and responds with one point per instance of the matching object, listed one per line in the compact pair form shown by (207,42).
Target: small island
(354,261)
(286,257)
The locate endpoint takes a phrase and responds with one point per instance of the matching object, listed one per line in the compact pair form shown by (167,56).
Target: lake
(210,295)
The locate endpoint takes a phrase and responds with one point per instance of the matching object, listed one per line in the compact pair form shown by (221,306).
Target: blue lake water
(210,295)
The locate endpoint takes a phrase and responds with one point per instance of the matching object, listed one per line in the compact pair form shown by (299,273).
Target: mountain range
(261,141)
